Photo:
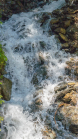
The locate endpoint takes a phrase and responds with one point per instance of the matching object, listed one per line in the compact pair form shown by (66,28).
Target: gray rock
(62,93)
(6,88)
(60,87)
(69,116)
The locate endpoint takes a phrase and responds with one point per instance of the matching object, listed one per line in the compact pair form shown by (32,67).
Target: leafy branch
(3,60)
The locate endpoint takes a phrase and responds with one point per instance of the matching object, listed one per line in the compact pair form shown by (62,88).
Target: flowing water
(22,37)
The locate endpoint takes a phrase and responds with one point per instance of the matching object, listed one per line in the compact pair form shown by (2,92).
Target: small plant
(3,58)
(1,101)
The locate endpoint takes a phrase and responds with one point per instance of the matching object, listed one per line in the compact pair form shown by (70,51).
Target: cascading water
(21,36)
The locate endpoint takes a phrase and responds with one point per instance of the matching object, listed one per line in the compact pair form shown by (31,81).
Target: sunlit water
(21,36)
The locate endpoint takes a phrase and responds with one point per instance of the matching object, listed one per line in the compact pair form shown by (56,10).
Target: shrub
(3,58)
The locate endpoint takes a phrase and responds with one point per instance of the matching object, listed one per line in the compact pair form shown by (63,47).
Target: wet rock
(61,94)
(72,32)
(36,105)
(39,92)
(49,134)
(67,23)
(38,101)
(73,44)
(54,21)
(54,24)
(63,37)
(34,79)
(71,98)
(67,112)
(60,87)
(3,135)
(60,30)
(67,10)
(65,45)
(70,115)
(42,59)
(72,68)
(6,88)
(42,44)
(40,73)
(66,18)
(13,7)
(58,12)
(44,18)
(71,84)
(76,71)
(73,128)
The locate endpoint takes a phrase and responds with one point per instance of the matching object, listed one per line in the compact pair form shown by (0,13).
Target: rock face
(49,134)
(70,115)
(67,111)
(65,26)
(10,7)
(5,88)
(72,68)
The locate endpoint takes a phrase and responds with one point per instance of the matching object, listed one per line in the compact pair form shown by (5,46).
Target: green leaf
(0,96)
(0,22)
(0,45)
(0,83)
(1,119)
(1,76)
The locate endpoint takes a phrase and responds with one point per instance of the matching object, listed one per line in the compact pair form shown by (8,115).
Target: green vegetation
(3,60)
(1,101)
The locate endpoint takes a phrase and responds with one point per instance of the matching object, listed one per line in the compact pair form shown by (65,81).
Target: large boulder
(49,133)
(69,116)
(67,111)
(5,88)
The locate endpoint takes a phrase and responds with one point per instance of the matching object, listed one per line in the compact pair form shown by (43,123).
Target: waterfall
(21,38)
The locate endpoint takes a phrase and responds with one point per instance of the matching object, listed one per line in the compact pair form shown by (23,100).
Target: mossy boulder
(6,87)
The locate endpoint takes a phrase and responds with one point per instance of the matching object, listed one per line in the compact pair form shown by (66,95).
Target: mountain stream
(24,41)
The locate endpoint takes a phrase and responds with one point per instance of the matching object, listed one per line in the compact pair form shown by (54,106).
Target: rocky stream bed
(42,70)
